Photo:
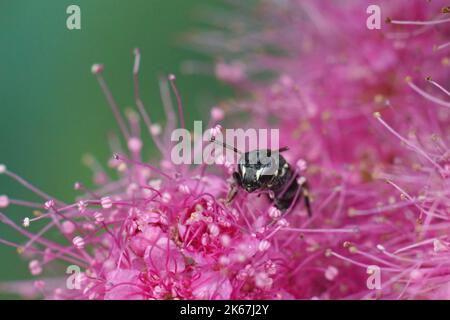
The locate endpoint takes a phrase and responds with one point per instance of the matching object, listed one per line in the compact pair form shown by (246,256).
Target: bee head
(257,168)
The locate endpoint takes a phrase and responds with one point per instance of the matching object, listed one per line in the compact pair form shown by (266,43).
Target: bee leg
(306,198)
(232,193)
(234,187)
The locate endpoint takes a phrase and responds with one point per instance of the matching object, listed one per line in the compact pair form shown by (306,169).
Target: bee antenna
(227,146)
(282,149)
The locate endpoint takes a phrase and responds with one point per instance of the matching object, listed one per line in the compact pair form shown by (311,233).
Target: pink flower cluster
(369,110)
(156,232)
(367,122)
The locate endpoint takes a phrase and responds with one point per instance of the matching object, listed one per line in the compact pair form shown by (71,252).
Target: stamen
(184,189)
(135,145)
(35,267)
(82,205)
(264,245)
(376,258)
(26,184)
(106,202)
(280,226)
(404,194)
(37,236)
(217,114)
(343,230)
(213,229)
(78,242)
(408,143)
(215,131)
(167,103)
(122,158)
(441,46)
(139,103)
(156,129)
(274,212)
(43,241)
(439,246)
(415,245)
(97,70)
(437,85)
(26,222)
(301,165)
(331,273)
(99,218)
(4,201)
(427,95)
(330,252)
(68,227)
(50,204)
(79,186)
(179,102)
(418,23)
(362,212)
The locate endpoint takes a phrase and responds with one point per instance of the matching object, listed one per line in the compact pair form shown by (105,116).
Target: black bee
(267,170)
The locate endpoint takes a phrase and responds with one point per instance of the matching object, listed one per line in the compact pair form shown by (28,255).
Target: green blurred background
(52,109)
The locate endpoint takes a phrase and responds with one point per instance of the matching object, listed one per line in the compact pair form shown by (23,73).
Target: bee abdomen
(284,198)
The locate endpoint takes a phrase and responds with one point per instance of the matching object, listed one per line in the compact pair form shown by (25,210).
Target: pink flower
(212,285)
(217,114)
(123,284)
(67,226)
(336,74)
(162,256)
(233,72)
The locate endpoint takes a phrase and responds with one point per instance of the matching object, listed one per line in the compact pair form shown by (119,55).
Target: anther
(26,222)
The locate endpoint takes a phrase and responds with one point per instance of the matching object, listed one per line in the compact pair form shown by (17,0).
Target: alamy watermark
(207,147)
(374,279)
(373,21)
(73,281)
(73,21)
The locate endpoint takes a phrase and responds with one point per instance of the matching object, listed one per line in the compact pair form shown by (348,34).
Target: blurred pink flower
(388,175)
